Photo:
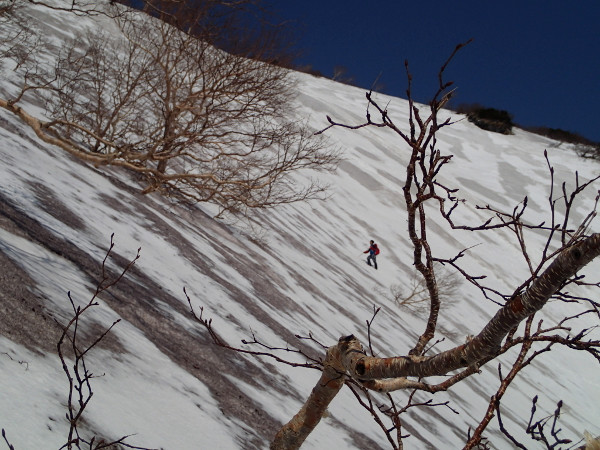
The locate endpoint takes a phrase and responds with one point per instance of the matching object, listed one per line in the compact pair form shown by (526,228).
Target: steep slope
(300,271)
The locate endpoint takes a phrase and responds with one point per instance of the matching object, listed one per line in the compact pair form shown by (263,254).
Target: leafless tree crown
(193,120)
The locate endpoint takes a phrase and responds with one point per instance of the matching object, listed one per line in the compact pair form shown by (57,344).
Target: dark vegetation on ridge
(501,121)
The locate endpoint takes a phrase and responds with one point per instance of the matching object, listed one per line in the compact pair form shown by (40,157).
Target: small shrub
(490,119)
(589,151)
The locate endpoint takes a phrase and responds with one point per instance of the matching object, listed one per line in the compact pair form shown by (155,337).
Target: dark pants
(372,257)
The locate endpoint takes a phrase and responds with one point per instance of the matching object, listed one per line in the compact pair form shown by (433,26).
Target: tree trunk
(292,435)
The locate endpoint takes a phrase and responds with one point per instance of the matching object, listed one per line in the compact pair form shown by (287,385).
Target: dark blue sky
(538,60)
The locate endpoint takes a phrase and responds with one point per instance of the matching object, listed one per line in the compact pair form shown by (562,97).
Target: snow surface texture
(302,271)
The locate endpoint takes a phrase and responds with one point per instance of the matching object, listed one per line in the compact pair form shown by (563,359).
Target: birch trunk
(292,435)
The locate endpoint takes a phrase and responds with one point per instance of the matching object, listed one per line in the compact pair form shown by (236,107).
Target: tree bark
(293,434)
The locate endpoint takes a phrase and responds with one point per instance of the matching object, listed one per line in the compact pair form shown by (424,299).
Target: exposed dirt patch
(53,206)
(24,317)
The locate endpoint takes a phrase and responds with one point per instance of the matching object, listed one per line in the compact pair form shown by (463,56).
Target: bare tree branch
(549,274)
(78,375)
(195,122)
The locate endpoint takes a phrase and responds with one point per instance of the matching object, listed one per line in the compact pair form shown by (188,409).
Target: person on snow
(373,251)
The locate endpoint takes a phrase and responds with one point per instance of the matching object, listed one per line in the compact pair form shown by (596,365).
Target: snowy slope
(301,271)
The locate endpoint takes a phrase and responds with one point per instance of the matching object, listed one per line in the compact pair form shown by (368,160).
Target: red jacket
(373,249)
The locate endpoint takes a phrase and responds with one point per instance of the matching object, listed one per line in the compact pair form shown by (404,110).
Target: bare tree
(341,75)
(414,294)
(73,348)
(72,351)
(191,119)
(17,41)
(548,279)
(568,249)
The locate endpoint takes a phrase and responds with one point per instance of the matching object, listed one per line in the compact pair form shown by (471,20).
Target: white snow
(308,253)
